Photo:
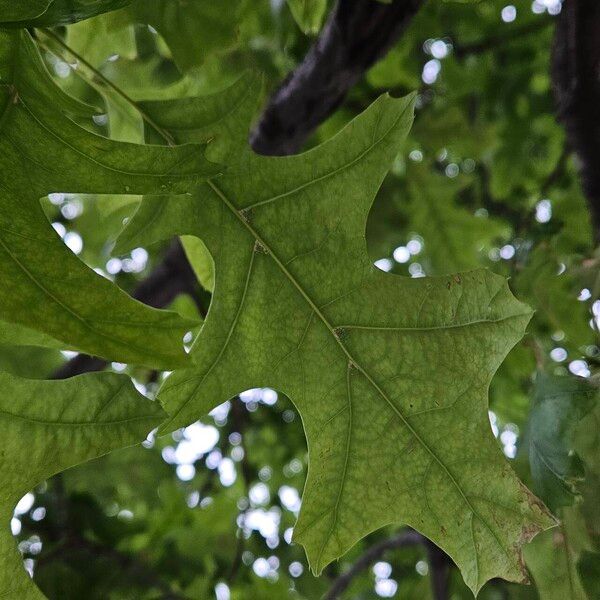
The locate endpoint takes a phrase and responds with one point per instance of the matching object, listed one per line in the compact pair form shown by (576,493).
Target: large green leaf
(45,152)
(389,374)
(37,13)
(49,426)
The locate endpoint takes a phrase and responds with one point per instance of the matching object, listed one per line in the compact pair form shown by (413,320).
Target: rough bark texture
(356,35)
(576,83)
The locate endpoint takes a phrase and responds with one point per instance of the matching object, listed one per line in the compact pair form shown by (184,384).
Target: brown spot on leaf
(258,247)
(246,214)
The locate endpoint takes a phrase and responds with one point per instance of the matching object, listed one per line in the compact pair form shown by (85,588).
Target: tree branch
(375,552)
(139,571)
(576,83)
(497,41)
(356,35)
(439,569)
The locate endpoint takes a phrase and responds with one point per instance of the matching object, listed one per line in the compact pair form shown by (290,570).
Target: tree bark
(576,83)
(357,34)
(372,554)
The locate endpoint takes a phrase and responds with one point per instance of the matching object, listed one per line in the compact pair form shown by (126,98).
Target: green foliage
(178,23)
(552,561)
(51,426)
(139,116)
(431,195)
(38,13)
(308,14)
(321,340)
(81,308)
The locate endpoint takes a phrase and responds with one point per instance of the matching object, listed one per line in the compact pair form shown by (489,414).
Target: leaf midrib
(352,362)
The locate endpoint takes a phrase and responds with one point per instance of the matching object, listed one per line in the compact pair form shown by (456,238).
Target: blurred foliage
(484,180)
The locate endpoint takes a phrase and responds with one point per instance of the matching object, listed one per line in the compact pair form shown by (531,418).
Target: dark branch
(498,41)
(356,35)
(439,569)
(576,83)
(170,278)
(373,554)
(131,566)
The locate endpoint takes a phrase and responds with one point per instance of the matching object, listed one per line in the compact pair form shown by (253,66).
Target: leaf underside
(298,306)
(51,290)
(38,13)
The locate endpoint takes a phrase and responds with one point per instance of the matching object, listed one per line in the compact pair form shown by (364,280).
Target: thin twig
(439,569)
(406,538)
(498,41)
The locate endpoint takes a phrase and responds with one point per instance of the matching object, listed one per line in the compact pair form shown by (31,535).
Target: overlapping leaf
(192,29)
(552,560)
(51,291)
(389,374)
(221,119)
(308,13)
(48,427)
(98,40)
(559,404)
(561,469)
(37,13)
